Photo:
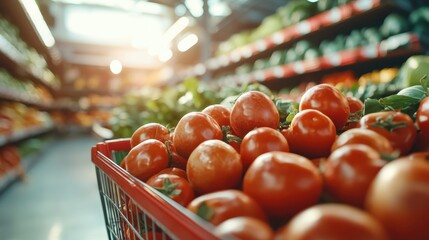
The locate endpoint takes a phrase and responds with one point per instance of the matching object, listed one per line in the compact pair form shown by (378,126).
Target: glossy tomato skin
(248,228)
(175,171)
(175,187)
(150,131)
(328,100)
(176,160)
(364,136)
(219,113)
(349,171)
(422,116)
(333,222)
(355,105)
(146,159)
(311,134)
(399,199)
(283,183)
(259,141)
(402,138)
(214,165)
(192,129)
(251,110)
(226,204)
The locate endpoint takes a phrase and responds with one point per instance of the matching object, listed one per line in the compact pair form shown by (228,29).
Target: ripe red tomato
(259,141)
(422,115)
(311,134)
(174,187)
(283,183)
(150,131)
(421,143)
(192,129)
(219,206)
(219,113)
(248,228)
(146,159)
(214,165)
(397,127)
(349,171)
(399,199)
(176,160)
(355,105)
(328,100)
(333,222)
(364,136)
(251,110)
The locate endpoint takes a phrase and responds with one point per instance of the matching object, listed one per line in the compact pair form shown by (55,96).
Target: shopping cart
(132,209)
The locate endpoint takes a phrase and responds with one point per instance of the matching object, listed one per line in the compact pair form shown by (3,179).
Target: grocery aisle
(59,201)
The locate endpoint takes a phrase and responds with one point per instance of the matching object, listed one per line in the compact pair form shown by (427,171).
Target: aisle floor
(59,200)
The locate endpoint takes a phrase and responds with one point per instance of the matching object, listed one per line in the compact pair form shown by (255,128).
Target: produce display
(326,166)
(27,57)
(393,25)
(24,90)
(17,117)
(290,14)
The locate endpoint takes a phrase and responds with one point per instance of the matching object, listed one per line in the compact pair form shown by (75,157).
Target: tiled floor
(60,199)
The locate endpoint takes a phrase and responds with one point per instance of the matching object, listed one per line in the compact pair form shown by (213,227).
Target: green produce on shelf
(394,24)
(413,70)
(296,11)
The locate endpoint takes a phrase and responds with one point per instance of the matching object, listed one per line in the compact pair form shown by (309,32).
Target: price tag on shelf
(303,27)
(298,67)
(278,72)
(334,59)
(235,56)
(365,5)
(334,15)
(278,38)
(261,45)
(259,75)
(370,51)
(246,52)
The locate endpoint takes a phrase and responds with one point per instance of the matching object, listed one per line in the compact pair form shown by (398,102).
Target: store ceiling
(94,32)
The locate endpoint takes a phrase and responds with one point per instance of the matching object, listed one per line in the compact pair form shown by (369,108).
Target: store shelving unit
(335,21)
(400,45)
(25,134)
(25,82)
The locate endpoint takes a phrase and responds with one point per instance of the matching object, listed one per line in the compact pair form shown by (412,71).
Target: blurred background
(75,72)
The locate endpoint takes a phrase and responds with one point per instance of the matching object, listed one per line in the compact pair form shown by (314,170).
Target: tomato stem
(168,188)
(205,212)
(388,123)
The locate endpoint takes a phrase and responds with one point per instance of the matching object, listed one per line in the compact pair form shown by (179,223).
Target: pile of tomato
(322,176)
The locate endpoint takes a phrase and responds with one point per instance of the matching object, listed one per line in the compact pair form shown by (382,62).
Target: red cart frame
(134,210)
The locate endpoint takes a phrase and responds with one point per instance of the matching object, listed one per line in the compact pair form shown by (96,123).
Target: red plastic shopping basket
(134,210)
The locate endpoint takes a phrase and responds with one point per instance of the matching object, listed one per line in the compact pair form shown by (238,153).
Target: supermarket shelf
(23,97)
(402,44)
(348,13)
(14,56)
(26,163)
(25,133)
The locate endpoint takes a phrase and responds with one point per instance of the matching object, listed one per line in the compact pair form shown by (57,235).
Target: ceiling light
(176,28)
(42,29)
(165,55)
(187,42)
(115,66)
